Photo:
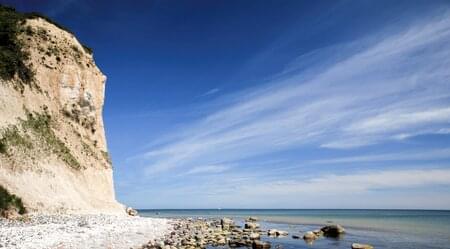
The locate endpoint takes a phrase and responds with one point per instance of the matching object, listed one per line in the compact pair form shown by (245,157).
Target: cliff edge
(53,152)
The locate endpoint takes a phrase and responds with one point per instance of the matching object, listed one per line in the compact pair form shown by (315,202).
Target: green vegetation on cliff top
(13,59)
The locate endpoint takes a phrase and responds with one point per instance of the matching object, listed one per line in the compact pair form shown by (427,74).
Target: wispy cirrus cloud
(355,182)
(435,154)
(325,190)
(395,84)
(210,92)
(208,169)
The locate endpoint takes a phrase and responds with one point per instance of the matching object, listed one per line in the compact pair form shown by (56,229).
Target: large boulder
(333,230)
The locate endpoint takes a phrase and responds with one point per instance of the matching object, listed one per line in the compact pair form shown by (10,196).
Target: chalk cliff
(53,151)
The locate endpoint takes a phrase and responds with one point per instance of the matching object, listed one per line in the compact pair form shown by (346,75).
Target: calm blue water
(409,229)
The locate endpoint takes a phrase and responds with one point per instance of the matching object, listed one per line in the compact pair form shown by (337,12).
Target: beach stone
(251,225)
(132,212)
(222,241)
(318,233)
(275,232)
(333,230)
(251,219)
(254,236)
(226,223)
(309,236)
(295,237)
(361,246)
(282,233)
(257,244)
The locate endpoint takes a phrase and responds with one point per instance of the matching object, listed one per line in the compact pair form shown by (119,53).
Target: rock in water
(254,236)
(251,219)
(251,225)
(275,232)
(333,230)
(309,236)
(282,233)
(361,246)
(260,245)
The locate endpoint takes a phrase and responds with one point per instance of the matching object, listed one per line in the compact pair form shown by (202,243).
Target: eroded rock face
(53,151)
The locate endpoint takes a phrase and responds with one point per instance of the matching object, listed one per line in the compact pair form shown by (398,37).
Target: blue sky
(272,104)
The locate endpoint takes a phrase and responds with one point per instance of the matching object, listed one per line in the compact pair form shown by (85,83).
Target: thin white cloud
(399,120)
(436,154)
(354,183)
(209,169)
(398,85)
(210,92)
(240,190)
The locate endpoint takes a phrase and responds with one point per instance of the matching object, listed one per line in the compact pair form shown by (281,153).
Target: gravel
(80,231)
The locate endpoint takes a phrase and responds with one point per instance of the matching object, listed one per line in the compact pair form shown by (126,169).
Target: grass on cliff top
(12,57)
(40,125)
(8,201)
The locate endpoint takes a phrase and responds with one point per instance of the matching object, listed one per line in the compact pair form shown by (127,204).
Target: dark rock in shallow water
(333,231)
(295,237)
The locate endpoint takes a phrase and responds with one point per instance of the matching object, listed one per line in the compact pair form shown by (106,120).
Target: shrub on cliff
(12,57)
(9,201)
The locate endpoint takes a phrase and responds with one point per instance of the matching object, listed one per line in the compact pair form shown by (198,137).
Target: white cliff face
(56,155)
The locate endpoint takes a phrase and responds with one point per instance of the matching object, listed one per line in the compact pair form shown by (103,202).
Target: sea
(383,229)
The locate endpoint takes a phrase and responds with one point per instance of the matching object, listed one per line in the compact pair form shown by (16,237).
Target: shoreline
(226,233)
(36,231)
(61,231)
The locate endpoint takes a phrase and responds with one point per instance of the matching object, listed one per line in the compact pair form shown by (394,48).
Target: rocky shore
(225,233)
(110,231)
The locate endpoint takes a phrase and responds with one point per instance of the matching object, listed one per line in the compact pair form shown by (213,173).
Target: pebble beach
(80,231)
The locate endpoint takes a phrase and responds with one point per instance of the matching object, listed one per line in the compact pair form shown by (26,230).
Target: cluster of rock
(333,231)
(200,233)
